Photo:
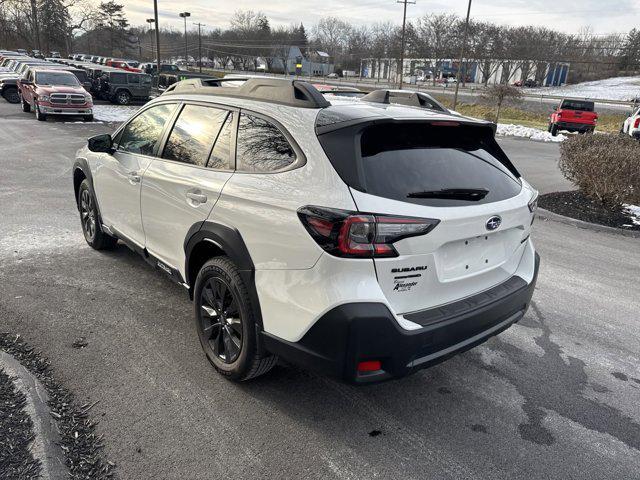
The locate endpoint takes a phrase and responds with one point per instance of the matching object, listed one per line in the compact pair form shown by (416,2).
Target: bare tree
(497,95)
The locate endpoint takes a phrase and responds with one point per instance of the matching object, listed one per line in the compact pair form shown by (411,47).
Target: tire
(90,220)
(123,97)
(554,130)
(41,117)
(25,106)
(228,338)
(11,95)
(88,118)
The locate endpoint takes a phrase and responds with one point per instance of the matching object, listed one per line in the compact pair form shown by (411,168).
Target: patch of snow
(113,113)
(616,88)
(510,130)
(634,211)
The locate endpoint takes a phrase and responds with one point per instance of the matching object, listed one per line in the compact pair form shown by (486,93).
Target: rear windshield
(578,105)
(424,164)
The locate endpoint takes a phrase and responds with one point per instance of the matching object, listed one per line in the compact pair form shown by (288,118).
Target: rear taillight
(350,234)
(636,124)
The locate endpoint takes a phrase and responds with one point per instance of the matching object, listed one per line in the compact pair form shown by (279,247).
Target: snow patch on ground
(616,88)
(634,211)
(113,113)
(510,130)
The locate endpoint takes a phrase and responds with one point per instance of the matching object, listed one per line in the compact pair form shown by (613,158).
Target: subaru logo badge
(493,223)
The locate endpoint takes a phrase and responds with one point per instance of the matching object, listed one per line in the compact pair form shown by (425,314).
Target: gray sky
(603,16)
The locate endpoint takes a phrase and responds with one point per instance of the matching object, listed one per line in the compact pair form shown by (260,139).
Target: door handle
(196,197)
(134,177)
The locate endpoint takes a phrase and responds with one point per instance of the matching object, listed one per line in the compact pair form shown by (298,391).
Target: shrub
(603,167)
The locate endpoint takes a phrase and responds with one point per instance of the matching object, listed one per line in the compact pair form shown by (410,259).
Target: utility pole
(200,44)
(462,53)
(186,54)
(404,24)
(151,21)
(155,20)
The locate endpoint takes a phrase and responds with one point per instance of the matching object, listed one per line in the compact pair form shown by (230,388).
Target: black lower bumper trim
(357,332)
(576,127)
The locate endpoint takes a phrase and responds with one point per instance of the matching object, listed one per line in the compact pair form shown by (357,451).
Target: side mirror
(101,143)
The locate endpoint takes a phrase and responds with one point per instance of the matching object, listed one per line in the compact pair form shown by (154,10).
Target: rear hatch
(451,172)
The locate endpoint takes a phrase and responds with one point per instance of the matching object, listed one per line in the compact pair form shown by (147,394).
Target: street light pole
(200,44)
(404,24)
(151,21)
(155,20)
(186,54)
(462,53)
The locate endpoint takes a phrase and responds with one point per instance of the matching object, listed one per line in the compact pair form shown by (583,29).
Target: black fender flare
(82,165)
(230,242)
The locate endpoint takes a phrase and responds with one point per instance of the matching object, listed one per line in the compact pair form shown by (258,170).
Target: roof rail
(294,93)
(404,97)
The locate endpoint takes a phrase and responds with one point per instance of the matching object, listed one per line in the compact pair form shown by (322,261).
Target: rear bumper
(356,332)
(575,127)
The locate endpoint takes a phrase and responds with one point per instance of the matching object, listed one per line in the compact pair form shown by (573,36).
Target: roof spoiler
(294,93)
(404,97)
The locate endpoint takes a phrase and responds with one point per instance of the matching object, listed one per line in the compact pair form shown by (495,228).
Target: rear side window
(420,163)
(261,146)
(119,78)
(193,134)
(81,76)
(143,132)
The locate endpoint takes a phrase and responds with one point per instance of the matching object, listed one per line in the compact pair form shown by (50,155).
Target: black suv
(122,87)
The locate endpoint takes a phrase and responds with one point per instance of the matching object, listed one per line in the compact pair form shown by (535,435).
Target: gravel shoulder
(16,433)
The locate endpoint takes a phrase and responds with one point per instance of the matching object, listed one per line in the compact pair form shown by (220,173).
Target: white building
(490,71)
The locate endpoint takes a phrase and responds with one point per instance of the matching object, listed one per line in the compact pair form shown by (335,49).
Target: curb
(556,217)
(46,443)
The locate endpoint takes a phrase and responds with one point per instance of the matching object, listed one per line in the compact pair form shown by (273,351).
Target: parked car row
(116,81)
(14,66)
(130,65)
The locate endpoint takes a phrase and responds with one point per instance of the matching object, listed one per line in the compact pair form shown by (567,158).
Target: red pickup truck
(54,92)
(573,116)
(127,65)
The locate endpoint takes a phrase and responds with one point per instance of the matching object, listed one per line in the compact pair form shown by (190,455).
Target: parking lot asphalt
(555,396)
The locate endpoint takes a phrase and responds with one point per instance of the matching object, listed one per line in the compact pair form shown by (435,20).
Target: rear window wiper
(471,194)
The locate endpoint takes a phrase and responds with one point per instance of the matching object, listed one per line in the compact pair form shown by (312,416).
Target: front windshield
(56,78)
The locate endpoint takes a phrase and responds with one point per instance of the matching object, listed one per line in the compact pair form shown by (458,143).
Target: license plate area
(470,256)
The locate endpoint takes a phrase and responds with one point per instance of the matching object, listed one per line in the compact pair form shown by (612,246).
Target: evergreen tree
(630,58)
(112,20)
(301,38)
(53,22)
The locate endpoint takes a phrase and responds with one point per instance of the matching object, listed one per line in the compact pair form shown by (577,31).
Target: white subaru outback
(365,240)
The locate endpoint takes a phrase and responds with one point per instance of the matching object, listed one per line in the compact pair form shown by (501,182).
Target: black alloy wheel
(220,319)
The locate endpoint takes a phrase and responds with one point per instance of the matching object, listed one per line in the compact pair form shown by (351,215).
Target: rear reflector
(370,366)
